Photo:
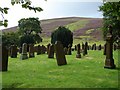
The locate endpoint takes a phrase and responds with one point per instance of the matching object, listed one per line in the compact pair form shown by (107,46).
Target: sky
(52,9)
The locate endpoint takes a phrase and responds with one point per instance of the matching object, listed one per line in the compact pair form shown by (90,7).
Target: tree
(111,13)
(62,34)
(27,4)
(29,29)
(10,38)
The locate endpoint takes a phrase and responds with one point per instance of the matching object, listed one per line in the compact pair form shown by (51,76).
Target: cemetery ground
(42,72)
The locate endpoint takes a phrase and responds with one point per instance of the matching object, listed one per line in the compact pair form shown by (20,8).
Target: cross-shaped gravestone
(109,61)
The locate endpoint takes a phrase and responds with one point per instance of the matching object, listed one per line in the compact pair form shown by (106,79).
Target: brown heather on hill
(50,25)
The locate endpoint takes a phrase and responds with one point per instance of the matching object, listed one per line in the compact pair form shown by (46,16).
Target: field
(41,72)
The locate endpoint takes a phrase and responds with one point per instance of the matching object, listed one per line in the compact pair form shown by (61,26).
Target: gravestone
(48,48)
(3,58)
(109,61)
(51,51)
(69,50)
(14,50)
(65,50)
(43,49)
(31,51)
(60,56)
(99,47)
(85,49)
(24,54)
(95,46)
(75,48)
(92,47)
(38,50)
(83,46)
(104,49)
(78,51)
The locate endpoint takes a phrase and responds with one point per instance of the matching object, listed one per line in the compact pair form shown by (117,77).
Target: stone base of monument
(78,56)
(109,63)
(23,57)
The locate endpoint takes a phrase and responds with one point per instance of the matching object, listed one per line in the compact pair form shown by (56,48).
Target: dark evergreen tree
(62,34)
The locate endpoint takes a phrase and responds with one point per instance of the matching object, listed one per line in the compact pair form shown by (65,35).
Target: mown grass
(41,72)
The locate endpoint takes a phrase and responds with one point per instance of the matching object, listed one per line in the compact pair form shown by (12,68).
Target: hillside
(82,27)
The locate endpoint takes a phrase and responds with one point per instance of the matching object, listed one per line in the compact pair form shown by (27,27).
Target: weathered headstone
(60,56)
(92,47)
(38,50)
(95,46)
(99,47)
(83,46)
(13,51)
(65,50)
(3,59)
(51,51)
(109,61)
(85,49)
(24,54)
(48,48)
(75,47)
(31,51)
(78,51)
(69,50)
(43,49)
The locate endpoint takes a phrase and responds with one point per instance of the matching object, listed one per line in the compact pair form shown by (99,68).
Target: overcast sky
(52,9)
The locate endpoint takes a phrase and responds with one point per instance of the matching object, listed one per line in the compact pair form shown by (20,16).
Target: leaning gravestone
(13,51)
(3,58)
(51,51)
(24,54)
(60,56)
(31,51)
(78,51)
(109,62)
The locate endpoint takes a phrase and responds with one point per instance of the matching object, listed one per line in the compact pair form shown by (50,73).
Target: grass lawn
(41,72)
